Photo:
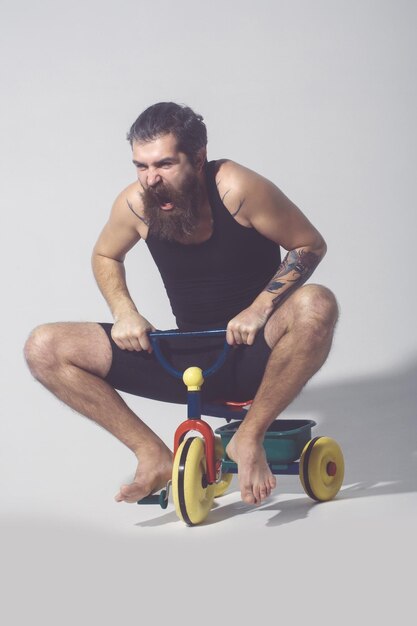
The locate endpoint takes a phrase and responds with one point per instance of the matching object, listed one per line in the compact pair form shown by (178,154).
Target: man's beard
(179,222)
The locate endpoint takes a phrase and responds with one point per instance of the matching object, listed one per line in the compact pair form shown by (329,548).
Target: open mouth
(167,206)
(164,201)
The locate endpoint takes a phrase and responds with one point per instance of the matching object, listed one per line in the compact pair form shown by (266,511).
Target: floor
(71,554)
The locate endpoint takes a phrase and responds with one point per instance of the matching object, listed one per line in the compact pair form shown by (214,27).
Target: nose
(153,178)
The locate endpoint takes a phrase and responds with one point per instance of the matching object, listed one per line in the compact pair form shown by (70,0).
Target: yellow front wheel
(193,497)
(322,468)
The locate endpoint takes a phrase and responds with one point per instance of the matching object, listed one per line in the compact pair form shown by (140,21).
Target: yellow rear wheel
(222,486)
(193,498)
(322,468)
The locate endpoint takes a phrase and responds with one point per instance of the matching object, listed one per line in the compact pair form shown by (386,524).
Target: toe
(132,493)
(263,492)
(257,493)
(247,495)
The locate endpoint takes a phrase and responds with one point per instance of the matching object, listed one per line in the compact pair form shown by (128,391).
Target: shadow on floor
(374,419)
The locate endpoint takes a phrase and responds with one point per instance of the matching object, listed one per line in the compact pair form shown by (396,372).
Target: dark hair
(168,117)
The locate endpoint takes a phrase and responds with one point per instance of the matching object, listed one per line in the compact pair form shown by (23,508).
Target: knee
(40,350)
(316,310)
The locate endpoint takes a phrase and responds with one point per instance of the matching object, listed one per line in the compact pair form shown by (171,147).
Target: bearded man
(215,230)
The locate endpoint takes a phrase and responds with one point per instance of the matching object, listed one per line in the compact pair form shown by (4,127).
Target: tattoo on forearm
(294,270)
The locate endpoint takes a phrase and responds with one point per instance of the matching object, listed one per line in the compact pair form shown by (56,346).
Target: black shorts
(141,374)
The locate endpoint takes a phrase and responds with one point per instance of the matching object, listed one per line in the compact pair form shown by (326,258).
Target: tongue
(167,206)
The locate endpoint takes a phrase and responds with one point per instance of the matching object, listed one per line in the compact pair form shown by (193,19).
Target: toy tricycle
(202,470)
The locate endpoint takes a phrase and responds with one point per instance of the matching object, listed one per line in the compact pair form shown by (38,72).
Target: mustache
(157,194)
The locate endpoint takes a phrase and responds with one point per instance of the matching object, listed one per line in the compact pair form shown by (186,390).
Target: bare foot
(256,480)
(154,471)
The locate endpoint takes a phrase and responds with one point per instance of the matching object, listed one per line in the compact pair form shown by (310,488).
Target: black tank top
(211,282)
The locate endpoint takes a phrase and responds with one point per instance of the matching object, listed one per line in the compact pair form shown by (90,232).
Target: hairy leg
(71,360)
(300,334)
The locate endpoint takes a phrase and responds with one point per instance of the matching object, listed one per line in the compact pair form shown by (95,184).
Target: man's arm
(296,268)
(118,236)
(261,205)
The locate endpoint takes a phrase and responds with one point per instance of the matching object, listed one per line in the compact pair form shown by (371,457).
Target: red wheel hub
(331,468)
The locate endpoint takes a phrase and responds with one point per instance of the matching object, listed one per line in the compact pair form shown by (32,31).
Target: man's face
(171,188)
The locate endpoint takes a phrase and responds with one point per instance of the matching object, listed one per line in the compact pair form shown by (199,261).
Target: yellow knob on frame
(193,378)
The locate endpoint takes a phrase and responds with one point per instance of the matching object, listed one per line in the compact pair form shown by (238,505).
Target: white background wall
(320,97)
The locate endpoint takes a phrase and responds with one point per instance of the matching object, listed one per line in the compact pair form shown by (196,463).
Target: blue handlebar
(160,334)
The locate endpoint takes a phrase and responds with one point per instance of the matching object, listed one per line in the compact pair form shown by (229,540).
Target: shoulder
(238,186)
(130,197)
(237,175)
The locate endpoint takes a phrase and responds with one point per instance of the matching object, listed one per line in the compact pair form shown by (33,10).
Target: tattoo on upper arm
(137,214)
(223,197)
(238,209)
(294,270)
